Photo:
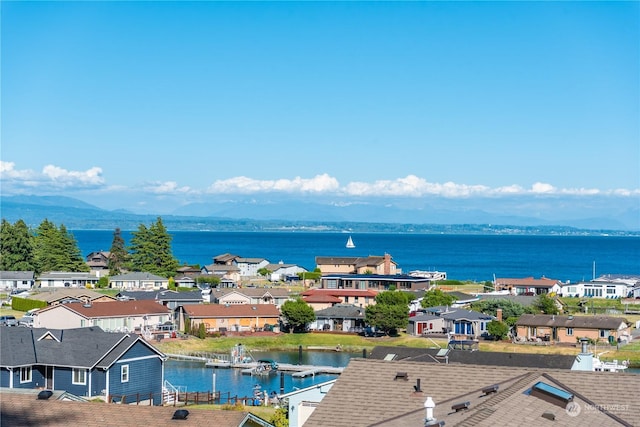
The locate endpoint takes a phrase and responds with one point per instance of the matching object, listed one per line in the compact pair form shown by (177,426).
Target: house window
(332,284)
(603,333)
(25,374)
(124,373)
(569,331)
(611,290)
(79,376)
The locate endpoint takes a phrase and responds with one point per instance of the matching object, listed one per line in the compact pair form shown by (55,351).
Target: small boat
(350,243)
(265,367)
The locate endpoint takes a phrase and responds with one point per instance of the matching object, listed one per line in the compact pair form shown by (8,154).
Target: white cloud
(51,177)
(65,178)
(168,187)
(318,184)
(8,172)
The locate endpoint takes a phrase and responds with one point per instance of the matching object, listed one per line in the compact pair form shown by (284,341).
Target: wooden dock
(298,371)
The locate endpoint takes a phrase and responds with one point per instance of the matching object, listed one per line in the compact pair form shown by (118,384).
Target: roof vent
(549,415)
(490,389)
(86,305)
(461,406)
(180,414)
(401,376)
(45,394)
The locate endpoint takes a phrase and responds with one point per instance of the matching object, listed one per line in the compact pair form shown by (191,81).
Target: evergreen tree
(390,312)
(298,314)
(16,247)
(56,249)
(151,250)
(118,255)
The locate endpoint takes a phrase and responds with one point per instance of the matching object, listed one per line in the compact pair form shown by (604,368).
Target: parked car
(27,319)
(8,321)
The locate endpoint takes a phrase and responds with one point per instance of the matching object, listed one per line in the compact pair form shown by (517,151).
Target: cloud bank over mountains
(323,197)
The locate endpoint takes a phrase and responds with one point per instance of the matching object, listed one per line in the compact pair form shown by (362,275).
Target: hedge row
(23,304)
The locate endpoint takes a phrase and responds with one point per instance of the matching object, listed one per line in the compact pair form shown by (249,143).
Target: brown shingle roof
(381,400)
(23,409)
(589,322)
(115,308)
(226,311)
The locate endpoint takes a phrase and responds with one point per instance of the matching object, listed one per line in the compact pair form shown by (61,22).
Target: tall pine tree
(16,247)
(56,249)
(151,250)
(118,255)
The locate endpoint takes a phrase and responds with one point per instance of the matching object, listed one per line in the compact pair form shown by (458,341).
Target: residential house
(184,281)
(426,323)
(98,261)
(374,281)
(25,408)
(569,329)
(380,265)
(168,298)
(229,318)
(117,316)
(596,289)
(189,271)
(275,296)
(282,272)
(249,266)
(319,299)
(65,295)
(138,281)
(66,279)
(17,280)
(461,324)
(339,317)
(86,362)
(229,275)
(301,403)
(528,285)
(391,393)
(225,259)
(635,292)
(461,300)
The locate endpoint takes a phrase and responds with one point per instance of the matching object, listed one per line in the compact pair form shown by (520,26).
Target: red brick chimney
(387,264)
(499,314)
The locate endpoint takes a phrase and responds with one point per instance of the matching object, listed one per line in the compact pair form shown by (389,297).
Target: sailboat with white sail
(350,243)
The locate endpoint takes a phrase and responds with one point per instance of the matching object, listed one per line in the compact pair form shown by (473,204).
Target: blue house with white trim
(86,362)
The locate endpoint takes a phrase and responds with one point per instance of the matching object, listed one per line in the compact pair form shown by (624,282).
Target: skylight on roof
(551,394)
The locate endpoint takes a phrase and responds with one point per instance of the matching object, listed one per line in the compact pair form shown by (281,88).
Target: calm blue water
(196,376)
(463,257)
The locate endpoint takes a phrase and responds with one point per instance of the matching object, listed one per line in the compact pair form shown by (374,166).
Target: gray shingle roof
(367,394)
(589,322)
(341,311)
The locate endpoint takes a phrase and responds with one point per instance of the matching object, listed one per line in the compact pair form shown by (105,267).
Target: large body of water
(463,257)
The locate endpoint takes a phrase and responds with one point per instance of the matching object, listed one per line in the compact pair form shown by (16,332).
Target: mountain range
(252,214)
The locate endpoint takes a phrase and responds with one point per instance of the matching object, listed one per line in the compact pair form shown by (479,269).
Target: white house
(67,279)
(282,271)
(303,402)
(249,266)
(138,281)
(636,292)
(19,280)
(597,289)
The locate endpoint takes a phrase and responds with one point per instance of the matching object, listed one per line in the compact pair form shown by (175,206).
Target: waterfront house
(426,323)
(460,324)
(282,272)
(98,261)
(319,299)
(17,280)
(275,296)
(596,289)
(25,408)
(569,329)
(67,279)
(390,393)
(116,316)
(168,298)
(65,295)
(138,281)
(301,403)
(381,265)
(86,362)
(378,282)
(229,318)
(528,285)
(339,317)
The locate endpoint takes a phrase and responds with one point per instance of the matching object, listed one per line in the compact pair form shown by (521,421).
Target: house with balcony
(380,265)
(339,317)
(116,316)
(528,285)
(229,318)
(320,299)
(378,282)
(86,362)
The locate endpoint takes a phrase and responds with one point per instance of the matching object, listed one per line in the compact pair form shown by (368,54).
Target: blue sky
(156,104)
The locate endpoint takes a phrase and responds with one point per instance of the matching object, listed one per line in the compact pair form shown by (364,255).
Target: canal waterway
(195,376)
